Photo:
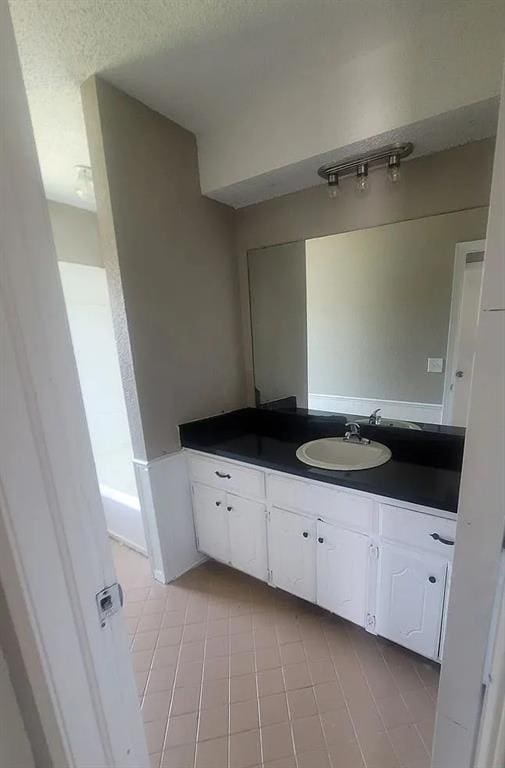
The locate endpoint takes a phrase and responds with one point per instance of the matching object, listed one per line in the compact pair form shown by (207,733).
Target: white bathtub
(124,518)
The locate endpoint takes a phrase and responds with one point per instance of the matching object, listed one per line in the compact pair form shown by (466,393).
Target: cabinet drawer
(418,530)
(230,477)
(326,502)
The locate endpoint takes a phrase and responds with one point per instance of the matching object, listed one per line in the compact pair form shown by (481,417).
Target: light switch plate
(435,365)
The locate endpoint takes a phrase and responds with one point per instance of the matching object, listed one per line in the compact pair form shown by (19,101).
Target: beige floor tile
(218,627)
(426,729)
(153,607)
(338,727)
(217,647)
(270,681)
(245,749)
(318,758)
(155,760)
(181,730)
(179,757)
(173,619)
(243,688)
(284,762)
(189,673)
(185,700)
(240,643)
(240,624)
(406,677)
(394,712)
(165,656)
(297,676)
(277,741)
(308,734)
(155,735)
(215,693)
(217,669)
(265,638)
(152,621)
(378,751)
(145,641)
(161,679)
(367,721)
(193,632)
(141,680)
(329,696)
(292,653)
(317,651)
(420,704)
(273,709)
(242,664)
(142,660)
(346,756)
(213,723)
(302,703)
(267,658)
(408,745)
(170,636)
(155,706)
(322,671)
(192,651)
(212,754)
(244,716)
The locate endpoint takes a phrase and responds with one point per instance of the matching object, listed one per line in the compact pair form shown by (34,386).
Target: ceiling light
(360,165)
(394,168)
(84,184)
(333,188)
(362,178)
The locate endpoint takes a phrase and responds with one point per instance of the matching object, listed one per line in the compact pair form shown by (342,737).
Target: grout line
(172,695)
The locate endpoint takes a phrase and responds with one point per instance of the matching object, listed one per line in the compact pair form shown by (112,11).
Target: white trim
(461,252)
(428,413)
(165,498)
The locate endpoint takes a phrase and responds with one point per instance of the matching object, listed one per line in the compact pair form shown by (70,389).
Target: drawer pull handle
(437,537)
(305,535)
(218,503)
(229,509)
(432,580)
(223,475)
(321,540)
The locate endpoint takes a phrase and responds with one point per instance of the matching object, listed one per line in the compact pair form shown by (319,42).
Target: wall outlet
(435,365)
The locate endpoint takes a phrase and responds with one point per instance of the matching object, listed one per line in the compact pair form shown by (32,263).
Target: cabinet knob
(218,503)
(432,579)
(321,540)
(229,509)
(305,535)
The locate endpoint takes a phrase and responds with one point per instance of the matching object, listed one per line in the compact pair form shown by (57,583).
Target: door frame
(71,672)
(461,252)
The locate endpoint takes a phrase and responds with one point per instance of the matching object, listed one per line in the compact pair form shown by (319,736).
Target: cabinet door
(248,535)
(342,571)
(292,550)
(411,598)
(211,521)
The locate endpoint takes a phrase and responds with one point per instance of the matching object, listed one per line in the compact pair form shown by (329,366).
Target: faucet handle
(374,417)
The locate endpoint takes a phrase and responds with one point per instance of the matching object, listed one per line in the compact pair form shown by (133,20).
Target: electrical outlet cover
(435,365)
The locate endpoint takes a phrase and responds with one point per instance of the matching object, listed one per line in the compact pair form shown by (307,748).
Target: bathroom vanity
(373,546)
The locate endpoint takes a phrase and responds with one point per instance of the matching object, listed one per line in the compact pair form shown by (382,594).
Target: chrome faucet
(354,433)
(375,417)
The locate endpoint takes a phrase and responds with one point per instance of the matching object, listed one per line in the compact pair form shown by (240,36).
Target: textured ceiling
(200,61)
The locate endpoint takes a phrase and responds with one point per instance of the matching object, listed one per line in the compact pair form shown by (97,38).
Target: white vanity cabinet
(384,566)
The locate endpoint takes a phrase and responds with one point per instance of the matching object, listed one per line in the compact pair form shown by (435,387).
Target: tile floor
(234,674)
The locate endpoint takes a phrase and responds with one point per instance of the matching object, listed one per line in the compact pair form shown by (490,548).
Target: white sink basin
(391,423)
(337,453)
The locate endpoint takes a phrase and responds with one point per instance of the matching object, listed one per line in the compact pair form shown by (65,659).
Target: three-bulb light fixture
(389,156)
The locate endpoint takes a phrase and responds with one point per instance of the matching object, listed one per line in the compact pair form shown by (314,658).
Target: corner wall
(169,255)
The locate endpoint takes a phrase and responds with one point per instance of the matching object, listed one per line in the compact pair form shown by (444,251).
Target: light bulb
(84,184)
(394,174)
(362,178)
(333,188)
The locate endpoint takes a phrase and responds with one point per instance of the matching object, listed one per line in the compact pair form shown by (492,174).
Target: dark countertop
(425,467)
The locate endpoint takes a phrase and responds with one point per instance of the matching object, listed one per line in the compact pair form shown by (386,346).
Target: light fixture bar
(375,157)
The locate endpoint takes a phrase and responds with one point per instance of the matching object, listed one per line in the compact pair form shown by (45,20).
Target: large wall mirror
(381,318)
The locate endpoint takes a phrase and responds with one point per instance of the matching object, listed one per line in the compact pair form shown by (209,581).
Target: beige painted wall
(170,259)
(75,233)
(277,279)
(378,305)
(15,750)
(453,180)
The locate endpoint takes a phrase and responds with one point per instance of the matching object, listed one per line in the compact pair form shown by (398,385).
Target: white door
(463,334)
(248,535)
(410,598)
(211,522)
(292,550)
(54,552)
(342,571)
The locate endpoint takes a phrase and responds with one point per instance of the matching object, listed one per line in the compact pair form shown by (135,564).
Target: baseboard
(429,413)
(126,543)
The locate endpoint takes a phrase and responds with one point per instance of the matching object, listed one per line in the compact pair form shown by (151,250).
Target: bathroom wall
(171,251)
(453,180)
(378,305)
(278,297)
(75,233)
(15,750)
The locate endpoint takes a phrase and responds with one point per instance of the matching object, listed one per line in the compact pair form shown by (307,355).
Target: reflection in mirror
(382,318)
